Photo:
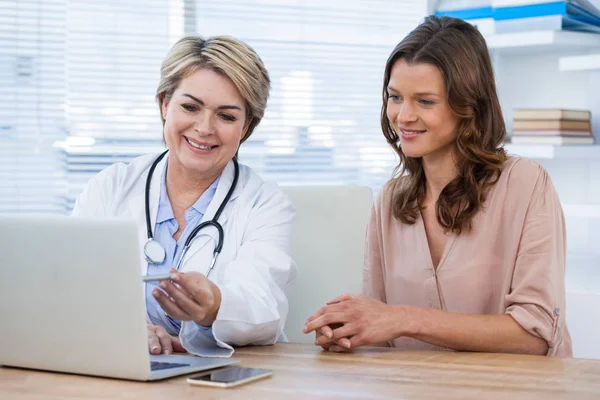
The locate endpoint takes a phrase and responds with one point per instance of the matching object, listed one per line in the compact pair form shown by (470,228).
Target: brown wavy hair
(459,51)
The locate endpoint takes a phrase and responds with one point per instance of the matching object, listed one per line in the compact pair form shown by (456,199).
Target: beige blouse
(511,262)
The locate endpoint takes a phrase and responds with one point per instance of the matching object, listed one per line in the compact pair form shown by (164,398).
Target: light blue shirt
(166,225)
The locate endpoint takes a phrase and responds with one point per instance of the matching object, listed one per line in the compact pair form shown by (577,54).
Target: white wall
(534,81)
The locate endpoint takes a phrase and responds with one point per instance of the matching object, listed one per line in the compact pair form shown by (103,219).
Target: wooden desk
(303,372)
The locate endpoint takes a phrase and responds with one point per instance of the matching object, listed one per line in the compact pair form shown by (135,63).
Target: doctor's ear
(246,128)
(163,107)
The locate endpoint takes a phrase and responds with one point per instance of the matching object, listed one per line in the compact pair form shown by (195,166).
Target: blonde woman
(222,232)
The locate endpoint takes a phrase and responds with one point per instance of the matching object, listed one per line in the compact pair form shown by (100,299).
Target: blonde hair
(224,55)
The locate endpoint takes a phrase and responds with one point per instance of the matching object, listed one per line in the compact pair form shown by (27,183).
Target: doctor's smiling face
(205,121)
(212,94)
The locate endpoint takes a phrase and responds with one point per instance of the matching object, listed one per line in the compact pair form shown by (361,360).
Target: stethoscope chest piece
(154,252)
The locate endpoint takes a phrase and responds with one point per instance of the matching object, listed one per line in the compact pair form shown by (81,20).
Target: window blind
(326,61)
(32,115)
(82,75)
(114,53)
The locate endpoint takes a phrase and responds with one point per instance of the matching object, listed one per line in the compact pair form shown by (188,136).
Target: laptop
(72,300)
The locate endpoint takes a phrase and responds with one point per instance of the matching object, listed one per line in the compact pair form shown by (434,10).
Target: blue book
(547,22)
(577,15)
(575,8)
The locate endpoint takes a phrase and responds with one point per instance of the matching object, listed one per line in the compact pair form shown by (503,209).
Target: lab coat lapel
(206,239)
(137,206)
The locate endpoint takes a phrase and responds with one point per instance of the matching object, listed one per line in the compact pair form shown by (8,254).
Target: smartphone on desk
(229,377)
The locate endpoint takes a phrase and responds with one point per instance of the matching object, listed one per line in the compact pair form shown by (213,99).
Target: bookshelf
(542,41)
(547,151)
(587,62)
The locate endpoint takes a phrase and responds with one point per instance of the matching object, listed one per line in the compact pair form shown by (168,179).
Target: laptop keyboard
(157,365)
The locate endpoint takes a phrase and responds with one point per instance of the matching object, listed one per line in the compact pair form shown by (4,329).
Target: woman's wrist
(212,315)
(405,321)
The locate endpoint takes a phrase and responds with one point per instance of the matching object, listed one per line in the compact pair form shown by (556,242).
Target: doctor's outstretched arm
(254,286)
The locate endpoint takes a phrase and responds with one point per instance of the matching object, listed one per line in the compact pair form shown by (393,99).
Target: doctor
(212,94)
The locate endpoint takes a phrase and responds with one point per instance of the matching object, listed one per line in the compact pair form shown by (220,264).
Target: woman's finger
(196,285)
(183,301)
(153,342)
(341,333)
(165,340)
(356,341)
(313,316)
(344,331)
(325,319)
(345,343)
(169,307)
(320,339)
(324,310)
(339,299)
(177,347)
(337,349)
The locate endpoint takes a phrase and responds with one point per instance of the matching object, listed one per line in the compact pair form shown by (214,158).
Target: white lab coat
(254,270)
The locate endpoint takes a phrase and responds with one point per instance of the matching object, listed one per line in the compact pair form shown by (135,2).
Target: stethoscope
(155,253)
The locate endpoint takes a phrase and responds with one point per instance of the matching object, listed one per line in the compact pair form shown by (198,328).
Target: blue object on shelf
(573,15)
(531,10)
(548,22)
(581,10)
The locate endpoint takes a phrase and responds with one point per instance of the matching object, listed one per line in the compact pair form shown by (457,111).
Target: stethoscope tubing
(213,222)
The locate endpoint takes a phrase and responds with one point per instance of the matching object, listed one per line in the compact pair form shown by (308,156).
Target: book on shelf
(551,133)
(545,23)
(554,140)
(583,9)
(504,16)
(510,3)
(574,15)
(551,124)
(539,113)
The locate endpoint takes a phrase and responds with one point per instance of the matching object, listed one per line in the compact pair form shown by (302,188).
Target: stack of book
(533,15)
(552,126)
(504,16)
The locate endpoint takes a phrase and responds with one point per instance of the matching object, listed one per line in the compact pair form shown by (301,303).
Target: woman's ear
(245,129)
(163,107)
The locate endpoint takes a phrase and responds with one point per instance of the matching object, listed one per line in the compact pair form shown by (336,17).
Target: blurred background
(78,77)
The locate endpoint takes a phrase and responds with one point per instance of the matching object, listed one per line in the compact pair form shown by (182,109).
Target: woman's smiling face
(205,121)
(419,111)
